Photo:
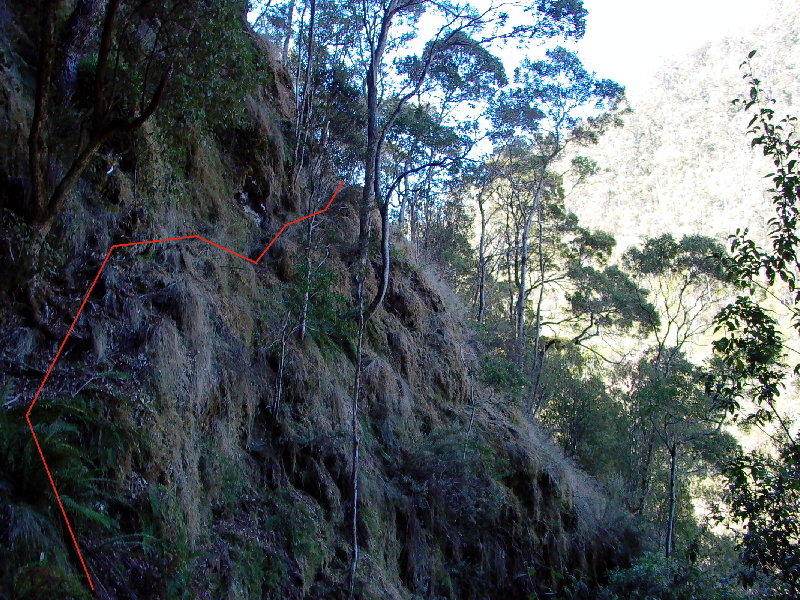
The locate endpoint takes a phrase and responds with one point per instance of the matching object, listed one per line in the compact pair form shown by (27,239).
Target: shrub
(653,577)
(504,376)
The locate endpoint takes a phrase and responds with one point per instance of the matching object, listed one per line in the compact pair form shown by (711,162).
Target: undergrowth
(81,451)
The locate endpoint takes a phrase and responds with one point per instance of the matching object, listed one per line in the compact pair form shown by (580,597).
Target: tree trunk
(401,218)
(473,402)
(385,259)
(371,158)
(46,206)
(305,95)
(307,282)
(80,28)
(356,440)
(538,351)
(642,483)
(276,403)
(670,534)
(522,278)
(482,262)
(371,192)
(287,37)
(522,284)
(37,147)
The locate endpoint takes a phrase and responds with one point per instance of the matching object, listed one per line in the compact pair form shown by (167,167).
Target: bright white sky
(627,40)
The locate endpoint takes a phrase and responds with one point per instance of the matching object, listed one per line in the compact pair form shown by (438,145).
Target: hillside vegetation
(455,382)
(202,448)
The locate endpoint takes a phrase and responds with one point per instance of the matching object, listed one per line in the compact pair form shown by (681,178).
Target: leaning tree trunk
(385,259)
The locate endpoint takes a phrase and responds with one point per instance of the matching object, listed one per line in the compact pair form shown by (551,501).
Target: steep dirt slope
(184,475)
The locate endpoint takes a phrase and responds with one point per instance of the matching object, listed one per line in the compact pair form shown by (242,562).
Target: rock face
(203,449)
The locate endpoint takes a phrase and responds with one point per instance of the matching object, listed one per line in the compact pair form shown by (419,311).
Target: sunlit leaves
(751,347)
(608,298)
(764,490)
(553,90)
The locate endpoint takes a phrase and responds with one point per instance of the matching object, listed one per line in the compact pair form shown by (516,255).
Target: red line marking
(75,320)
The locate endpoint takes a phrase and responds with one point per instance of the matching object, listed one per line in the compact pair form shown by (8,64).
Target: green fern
(31,527)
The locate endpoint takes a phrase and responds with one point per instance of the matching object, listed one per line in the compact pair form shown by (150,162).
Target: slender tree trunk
(669,538)
(522,277)
(371,193)
(511,276)
(538,350)
(46,207)
(425,208)
(80,28)
(482,267)
(276,403)
(307,282)
(473,402)
(401,218)
(413,225)
(356,440)
(371,159)
(642,483)
(287,37)
(305,95)
(522,284)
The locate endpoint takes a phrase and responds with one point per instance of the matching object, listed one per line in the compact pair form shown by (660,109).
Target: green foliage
(764,495)
(19,237)
(685,280)
(751,351)
(677,391)
(339,104)
(38,581)
(695,258)
(778,141)
(326,307)
(211,59)
(466,70)
(607,298)
(549,92)
(585,419)
(223,476)
(502,374)
(69,431)
(64,428)
(751,345)
(764,490)
(299,526)
(583,167)
(461,486)
(166,541)
(258,572)
(652,577)
(221,65)
(418,131)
